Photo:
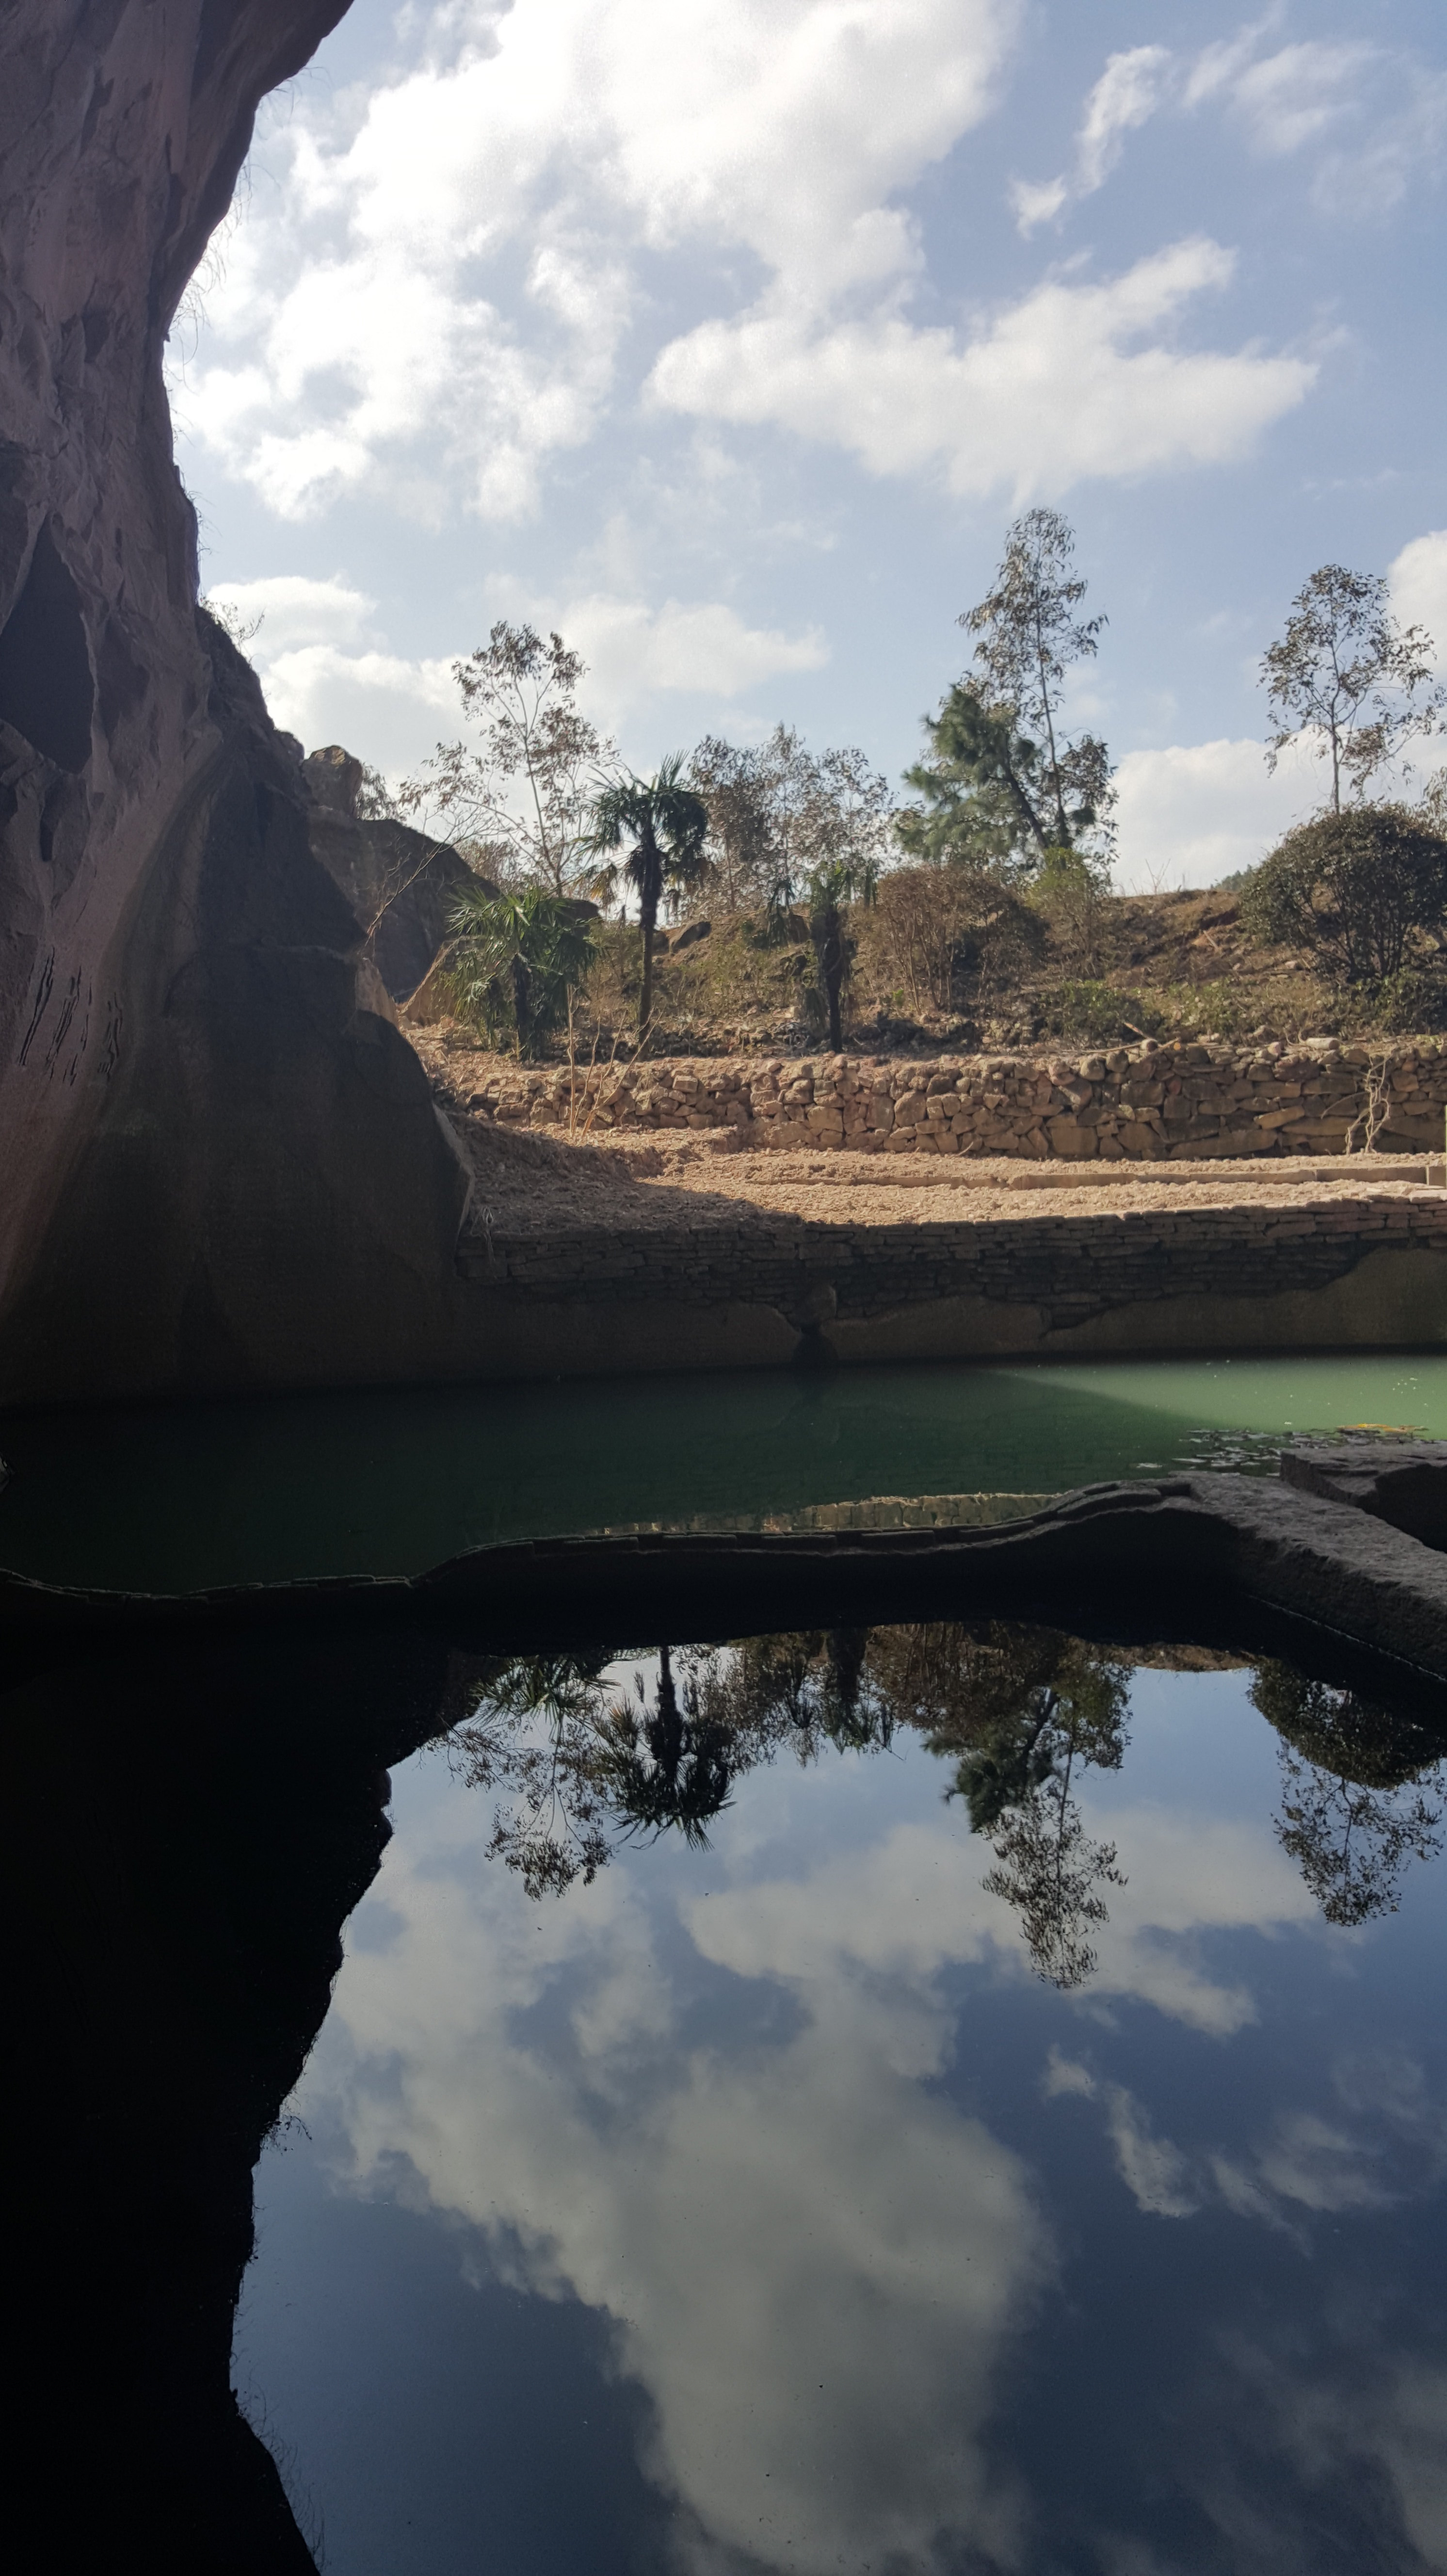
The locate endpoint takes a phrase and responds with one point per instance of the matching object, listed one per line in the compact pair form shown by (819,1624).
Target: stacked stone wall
(1151,1103)
(1068,1269)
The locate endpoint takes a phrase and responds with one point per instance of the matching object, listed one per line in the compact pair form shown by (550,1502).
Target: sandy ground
(530,1183)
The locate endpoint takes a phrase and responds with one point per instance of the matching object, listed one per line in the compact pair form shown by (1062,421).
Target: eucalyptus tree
(520,790)
(659,825)
(1349,679)
(1020,1711)
(739,785)
(1005,780)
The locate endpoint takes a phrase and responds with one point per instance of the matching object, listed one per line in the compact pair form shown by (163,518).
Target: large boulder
(400,884)
(218,1170)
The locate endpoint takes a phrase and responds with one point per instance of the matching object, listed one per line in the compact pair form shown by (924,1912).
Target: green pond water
(391,1481)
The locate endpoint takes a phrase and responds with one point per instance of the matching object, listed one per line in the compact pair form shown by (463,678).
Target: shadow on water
(389,1481)
(193,1828)
(197,1819)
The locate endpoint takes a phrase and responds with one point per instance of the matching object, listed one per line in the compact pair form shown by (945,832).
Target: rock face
(400,884)
(217,1170)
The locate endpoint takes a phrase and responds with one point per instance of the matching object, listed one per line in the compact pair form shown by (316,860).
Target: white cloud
(329,677)
(1038,201)
(910,1907)
(810,2259)
(1192,813)
(437,297)
(1320,2165)
(1127,94)
(1397,2151)
(1296,95)
(361,334)
(294,610)
(1418,578)
(1056,389)
(1154,2172)
(1377,115)
(387,709)
(701,646)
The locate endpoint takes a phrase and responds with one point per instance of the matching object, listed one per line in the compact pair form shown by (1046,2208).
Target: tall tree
(826,822)
(738,784)
(662,825)
(1347,674)
(520,791)
(1027,635)
(985,803)
(1361,1791)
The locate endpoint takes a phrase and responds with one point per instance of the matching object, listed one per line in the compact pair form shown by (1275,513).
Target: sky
(728,336)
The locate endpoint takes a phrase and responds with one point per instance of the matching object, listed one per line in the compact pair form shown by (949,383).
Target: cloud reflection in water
(727,2117)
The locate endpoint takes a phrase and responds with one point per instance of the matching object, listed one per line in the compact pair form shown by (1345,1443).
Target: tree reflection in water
(1017,1710)
(581,1763)
(1353,1813)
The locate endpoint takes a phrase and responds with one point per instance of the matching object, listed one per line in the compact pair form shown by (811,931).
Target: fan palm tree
(662,826)
(518,956)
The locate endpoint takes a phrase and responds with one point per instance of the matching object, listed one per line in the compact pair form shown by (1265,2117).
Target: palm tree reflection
(582,1765)
(583,1761)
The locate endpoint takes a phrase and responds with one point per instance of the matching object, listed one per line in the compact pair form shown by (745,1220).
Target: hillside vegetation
(772,896)
(925,976)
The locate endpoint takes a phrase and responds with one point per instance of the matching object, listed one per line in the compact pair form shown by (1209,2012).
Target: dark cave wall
(214,1168)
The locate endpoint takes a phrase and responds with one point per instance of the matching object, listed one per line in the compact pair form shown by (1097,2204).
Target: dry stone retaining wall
(1069,1269)
(1151,1103)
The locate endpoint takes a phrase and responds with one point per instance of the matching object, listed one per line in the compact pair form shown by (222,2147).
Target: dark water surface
(391,1481)
(802,2202)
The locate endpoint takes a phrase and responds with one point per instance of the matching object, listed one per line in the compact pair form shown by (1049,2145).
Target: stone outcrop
(1398,1480)
(1145,1104)
(216,1168)
(400,884)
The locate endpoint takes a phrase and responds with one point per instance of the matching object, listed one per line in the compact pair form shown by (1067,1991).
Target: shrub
(920,934)
(1067,890)
(1350,888)
(516,959)
(935,931)
(1083,1009)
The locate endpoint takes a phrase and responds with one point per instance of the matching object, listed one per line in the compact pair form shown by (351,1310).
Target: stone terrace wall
(1184,1100)
(1070,1269)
